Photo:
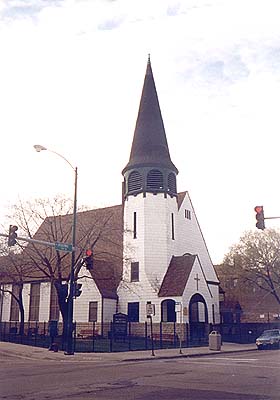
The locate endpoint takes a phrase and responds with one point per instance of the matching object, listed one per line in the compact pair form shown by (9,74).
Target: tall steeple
(149,157)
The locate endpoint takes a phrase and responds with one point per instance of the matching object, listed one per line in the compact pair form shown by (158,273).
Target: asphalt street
(253,375)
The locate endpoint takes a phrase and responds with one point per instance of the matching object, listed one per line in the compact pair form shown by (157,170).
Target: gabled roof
(108,249)
(180,198)
(149,146)
(177,275)
(104,275)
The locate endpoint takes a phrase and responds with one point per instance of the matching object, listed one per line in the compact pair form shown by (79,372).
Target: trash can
(215,340)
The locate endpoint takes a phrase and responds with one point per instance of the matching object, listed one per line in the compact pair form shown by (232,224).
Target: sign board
(178,306)
(63,247)
(150,309)
(119,325)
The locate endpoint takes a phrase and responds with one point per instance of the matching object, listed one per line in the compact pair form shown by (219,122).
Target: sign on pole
(63,247)
(150,309)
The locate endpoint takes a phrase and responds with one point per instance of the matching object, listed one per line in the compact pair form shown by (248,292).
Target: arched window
(198,309)
(172,183)
(134,181)
(168,311)
(154,179)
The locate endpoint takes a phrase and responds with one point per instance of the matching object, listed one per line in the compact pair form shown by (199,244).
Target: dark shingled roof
(177,275)
(180,198)
(149,146)
(107,226)
(104,276)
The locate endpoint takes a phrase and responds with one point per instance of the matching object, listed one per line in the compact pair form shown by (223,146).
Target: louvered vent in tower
(172,183)
(134,181)
(154,179)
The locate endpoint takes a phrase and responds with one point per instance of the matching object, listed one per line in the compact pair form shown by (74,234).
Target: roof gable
(177,275)
(180,198)
(106,279)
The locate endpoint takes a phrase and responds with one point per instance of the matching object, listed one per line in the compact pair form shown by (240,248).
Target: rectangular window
(133,312)
(134,225)
(14,312)
(188,214)
(34,303)
(54,307)
(172,227)
(92,316)
(134,272)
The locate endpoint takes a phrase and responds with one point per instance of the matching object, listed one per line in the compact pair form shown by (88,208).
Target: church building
(166,270)
(166,261)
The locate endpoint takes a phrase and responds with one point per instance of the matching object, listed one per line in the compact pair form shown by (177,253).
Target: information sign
(119,325)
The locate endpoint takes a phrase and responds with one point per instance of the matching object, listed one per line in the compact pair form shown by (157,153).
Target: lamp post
(69,328)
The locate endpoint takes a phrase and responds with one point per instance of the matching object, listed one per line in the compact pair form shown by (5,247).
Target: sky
(71,76)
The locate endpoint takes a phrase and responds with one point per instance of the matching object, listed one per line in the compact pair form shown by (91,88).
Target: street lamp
(69,327)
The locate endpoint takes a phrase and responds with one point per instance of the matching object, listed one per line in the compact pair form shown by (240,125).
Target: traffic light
(259,217)
(12,235)
(89,259)
(77,289)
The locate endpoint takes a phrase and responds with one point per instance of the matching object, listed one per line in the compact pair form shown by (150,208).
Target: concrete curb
(191,355)
(25,352)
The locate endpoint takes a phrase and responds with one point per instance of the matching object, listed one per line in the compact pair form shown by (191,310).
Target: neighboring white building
(165,259)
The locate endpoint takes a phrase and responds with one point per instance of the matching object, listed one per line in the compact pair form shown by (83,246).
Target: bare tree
(13,271)
(256,259)
(51,221)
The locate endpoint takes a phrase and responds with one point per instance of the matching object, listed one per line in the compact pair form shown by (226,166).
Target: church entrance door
(198,320)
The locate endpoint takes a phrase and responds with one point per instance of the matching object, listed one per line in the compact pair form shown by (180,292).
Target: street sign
(63,247)
(150,309)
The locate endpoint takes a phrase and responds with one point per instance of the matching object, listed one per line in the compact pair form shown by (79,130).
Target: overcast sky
(71,75)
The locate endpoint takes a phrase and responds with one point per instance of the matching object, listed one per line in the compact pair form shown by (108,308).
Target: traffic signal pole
(261,218)
(50,244)
(70,303)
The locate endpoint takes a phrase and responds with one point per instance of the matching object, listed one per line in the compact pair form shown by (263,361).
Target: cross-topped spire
(149,146)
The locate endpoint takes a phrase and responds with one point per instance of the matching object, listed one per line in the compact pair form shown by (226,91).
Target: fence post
(17,332)
(4,331)
(36,333)
(152,336)
(160,335)
(75,335)
(146,335)
(111,336)
(93,335)
(174,335)
(187,335)
(129,335)
(28,332)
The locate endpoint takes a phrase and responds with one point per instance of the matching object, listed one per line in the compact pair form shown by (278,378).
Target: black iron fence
(93,337)
(245,332)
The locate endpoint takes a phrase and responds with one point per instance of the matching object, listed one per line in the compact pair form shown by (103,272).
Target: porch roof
(177,275)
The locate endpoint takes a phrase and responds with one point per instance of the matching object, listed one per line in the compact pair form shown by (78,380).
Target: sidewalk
(35,353)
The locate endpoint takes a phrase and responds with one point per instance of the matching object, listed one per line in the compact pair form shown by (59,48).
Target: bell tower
(150,169)
(150,192)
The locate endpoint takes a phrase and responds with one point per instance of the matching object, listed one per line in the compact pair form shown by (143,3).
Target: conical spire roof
(149,146)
